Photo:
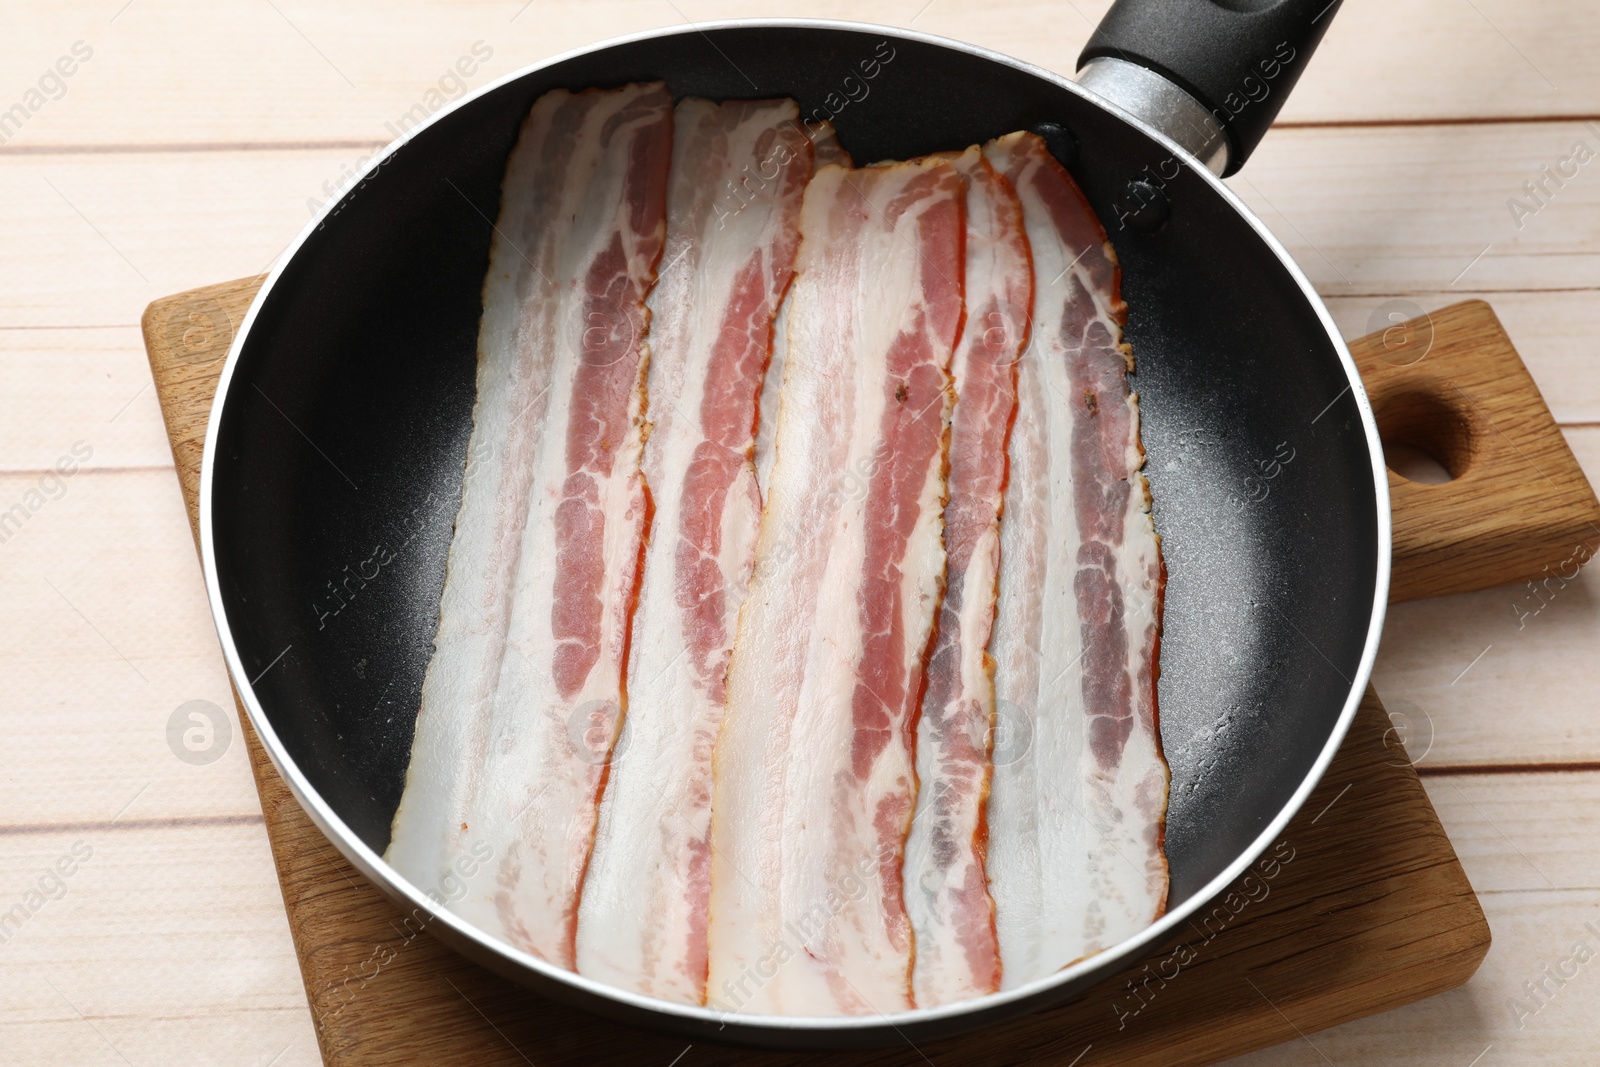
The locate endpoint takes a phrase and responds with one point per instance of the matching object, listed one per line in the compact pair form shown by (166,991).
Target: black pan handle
(1237,59)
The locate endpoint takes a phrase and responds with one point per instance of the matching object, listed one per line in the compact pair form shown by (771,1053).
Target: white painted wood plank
(162,946)
(1555,331)
(108,633)
(1524,831)
(191,71)
(92,384)
(92,239)
(1380,211)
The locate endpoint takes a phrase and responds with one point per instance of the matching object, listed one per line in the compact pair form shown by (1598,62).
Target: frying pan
(337,442)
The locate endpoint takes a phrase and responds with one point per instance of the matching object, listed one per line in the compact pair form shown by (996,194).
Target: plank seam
(159,147)
(175,822)
(1477,769)
(176,147)
(40,472)
(1449,120)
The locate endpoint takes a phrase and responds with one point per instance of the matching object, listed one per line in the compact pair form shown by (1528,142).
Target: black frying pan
(340,429)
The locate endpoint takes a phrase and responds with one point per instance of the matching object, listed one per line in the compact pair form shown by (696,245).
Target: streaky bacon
(825,145)
(1078,800)
(814,782)
(947,892)
(524,692)
(739,170)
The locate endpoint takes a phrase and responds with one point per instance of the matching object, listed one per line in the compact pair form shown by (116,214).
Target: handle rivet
(1143,207)
(1060,141)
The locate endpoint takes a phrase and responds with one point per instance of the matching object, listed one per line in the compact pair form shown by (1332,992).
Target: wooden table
(191,142)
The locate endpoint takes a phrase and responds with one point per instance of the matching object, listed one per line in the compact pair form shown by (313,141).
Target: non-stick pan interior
(342,441)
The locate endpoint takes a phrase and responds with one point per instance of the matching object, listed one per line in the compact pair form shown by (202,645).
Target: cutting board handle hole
(1427,438)
(1415,465)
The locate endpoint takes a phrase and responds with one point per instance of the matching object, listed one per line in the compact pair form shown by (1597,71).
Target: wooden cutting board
(1362,906)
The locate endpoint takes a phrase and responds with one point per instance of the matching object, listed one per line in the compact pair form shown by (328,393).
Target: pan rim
(396,887)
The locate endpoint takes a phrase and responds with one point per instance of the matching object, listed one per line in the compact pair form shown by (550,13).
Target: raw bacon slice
(522,697)
(814,782)
(947,893)
(825,144)
(728,261)
(828,151)
(1078,800)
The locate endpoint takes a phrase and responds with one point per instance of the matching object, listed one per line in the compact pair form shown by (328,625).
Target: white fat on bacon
(523,695)
(814,782)
(825,145)
(739,170)
(1078,798)
(946,890)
